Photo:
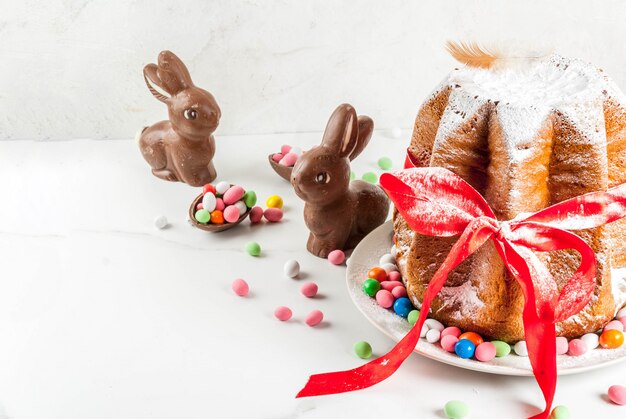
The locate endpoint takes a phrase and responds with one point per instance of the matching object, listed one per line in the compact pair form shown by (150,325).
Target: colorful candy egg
(611,339)
(378,274)
(402,306)
(233,194)
(208,202)
(465,348)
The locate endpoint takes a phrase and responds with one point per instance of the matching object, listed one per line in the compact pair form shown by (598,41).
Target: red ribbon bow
(436,202)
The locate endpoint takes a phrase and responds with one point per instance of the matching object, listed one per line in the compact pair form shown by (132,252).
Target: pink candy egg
(199,206)
(390,285)
(240,287)
(282,313)
(233,194)
(285,148)
(277,157)
(273,215)
(384,298)
(615,324)
(617,394)
(394,276)
(289,160)
(309,289)
(562,346)
(448,342)
(485,352)
(219,204)
(231,213)
(451,331)
(314,318)
(577,347)
(336,257)
(399,291)
(623,321)
(256,214)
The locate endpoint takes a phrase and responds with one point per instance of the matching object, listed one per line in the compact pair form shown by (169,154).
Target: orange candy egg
(217,217)
(378,274)
(472,337)
(611,339)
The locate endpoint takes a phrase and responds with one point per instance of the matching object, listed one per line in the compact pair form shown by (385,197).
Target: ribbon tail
(539,328)
(476,233)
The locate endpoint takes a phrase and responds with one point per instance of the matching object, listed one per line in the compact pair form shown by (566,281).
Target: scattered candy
(485,352)
(241,207)
(276,157)
(231,214)
(274,201)
(314,318)
(560,412)
(520,348)
(611,339)
(209,202)
(592,340)
(456,409)
(160,222)
(222,187)
(208,188)
(434,324)
(465,348)
(384,298)
(387,258)
(448,342)
(617,394)
(285,148)
(390,285)
(623,321)
(282,313)
(402,306)
(452,330)
(562,345)
(249,198)
(219,204)
(433,336)
(399,291)
(363,349)
(394,276)
(577,347)
(256,214)
(474,337)
(615,324)
(217,217)
(370,177)
(309,289)
(240,287)
(253,248)
(233,194)
(371,287)
(273,215)
(384,163)
(291,268)
(413,316)
(203,216)
(336,257)
(389,267)
(502,348)
(296,150)
(378,274)
(289,159)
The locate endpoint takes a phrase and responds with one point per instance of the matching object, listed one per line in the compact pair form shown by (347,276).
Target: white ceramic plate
(366,256)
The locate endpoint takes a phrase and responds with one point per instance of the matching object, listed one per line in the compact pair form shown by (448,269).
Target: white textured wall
(73,68)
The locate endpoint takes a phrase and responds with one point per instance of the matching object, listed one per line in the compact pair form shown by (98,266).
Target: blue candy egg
(402,306)
(465,348)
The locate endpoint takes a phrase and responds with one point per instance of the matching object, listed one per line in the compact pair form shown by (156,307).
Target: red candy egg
(208,188)
(378,274)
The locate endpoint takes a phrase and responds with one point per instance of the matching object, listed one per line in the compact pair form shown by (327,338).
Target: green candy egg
(352,175)
(456,409)
(560,412)
(203,216)
(253,248)
(370,177)
(371,287)
(502,348)
(249,198)
(385,163)
(363,349)
(413,316)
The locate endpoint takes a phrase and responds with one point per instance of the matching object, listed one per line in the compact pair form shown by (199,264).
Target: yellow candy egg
(274,201)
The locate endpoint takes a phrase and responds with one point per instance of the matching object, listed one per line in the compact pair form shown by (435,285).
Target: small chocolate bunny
(338,213)
(180,149)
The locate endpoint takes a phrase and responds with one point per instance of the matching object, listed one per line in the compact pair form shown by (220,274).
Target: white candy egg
(621,313)
(241,206)
(394,250)
(520,348)
(209,202)
(591,339)
(296,150)
(434,324)
(222,187)
(433,335)
(387,258)
(389,267)
(291,268)
(160,222)
(424,331)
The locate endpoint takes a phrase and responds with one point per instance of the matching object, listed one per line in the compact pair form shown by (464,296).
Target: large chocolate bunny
(180,149)
(338,213)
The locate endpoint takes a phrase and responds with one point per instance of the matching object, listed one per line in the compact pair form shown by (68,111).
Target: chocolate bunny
(338,213)
(180,149)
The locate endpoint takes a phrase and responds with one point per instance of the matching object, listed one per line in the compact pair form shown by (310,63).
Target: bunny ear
(173,73)
(366,126)
(341,131)
(151,76)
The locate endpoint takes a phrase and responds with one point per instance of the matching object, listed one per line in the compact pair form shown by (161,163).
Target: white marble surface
(72,68)
(103,316)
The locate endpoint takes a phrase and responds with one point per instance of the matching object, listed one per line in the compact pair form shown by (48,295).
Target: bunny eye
(190,114)
(322,178)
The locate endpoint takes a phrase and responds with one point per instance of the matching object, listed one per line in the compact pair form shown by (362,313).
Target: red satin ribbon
(436,202)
